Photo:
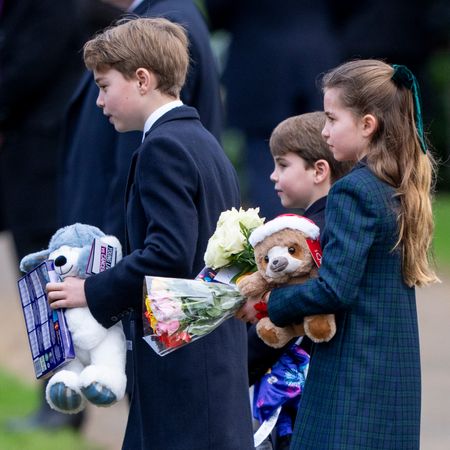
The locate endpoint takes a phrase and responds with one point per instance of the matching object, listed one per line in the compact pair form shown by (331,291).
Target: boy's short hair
(303,135)
(155,44)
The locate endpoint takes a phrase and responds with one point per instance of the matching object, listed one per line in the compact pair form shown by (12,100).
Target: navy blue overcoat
(363,387)
(195,398)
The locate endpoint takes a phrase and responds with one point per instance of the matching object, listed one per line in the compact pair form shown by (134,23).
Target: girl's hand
(67,294)
(253,309)
(247,311)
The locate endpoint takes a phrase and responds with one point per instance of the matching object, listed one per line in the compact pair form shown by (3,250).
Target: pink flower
(167,327)
(164,309)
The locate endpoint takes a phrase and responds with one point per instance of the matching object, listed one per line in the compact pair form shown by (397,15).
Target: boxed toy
(103,256)
(48,335)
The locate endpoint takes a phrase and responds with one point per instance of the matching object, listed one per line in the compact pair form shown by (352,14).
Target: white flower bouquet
(179,311)
(229,247)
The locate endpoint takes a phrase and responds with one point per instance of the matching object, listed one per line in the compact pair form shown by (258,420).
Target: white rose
(214,255)
(231,239)
(227,216)
(228,239)
(250,218)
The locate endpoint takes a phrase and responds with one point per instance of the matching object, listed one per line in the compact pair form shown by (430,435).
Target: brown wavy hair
(395,156)
(155,44)
(302,135)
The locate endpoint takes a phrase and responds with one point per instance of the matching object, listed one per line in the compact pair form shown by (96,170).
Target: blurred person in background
(411,32)
(401,32)
(276,52)
(37,75)
(40,64)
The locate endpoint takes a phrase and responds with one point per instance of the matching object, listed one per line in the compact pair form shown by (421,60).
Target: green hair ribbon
(404,77)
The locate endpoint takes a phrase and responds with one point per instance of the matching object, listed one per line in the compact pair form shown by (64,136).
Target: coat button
(114,318)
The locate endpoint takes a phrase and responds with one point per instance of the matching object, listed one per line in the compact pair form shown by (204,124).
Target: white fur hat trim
(292,221)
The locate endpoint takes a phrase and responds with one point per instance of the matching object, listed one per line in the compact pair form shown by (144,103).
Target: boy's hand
(67,294)
(252,310)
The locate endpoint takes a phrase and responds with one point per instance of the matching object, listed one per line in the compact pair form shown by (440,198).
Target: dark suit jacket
(196,397)
(363,389)
(96,158)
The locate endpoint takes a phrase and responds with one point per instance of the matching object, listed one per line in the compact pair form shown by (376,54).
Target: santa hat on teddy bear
(294,222)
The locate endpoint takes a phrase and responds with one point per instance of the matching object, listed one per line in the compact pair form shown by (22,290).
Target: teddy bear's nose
(279,264)
(60,261)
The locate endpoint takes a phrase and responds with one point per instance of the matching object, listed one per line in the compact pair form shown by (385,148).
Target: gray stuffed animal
(97,373)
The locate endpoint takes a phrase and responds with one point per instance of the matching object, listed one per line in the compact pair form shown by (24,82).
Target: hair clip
(404,77)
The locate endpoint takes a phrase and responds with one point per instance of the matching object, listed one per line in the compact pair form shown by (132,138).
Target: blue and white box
(48,335)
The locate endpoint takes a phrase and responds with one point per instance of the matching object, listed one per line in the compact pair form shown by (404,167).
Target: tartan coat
(363,388)
(195,398)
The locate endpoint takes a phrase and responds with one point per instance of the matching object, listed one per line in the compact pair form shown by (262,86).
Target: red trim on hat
(315,250)
(313,244)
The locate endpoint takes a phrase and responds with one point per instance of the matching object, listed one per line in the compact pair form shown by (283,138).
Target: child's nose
(99,102)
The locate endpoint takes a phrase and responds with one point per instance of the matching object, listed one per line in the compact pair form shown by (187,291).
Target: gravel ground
(106,426)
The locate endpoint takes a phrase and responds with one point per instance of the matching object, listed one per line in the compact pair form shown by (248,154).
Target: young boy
(304,172)
(179,182)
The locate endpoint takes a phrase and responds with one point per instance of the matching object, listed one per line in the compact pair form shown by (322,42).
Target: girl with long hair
(363,389)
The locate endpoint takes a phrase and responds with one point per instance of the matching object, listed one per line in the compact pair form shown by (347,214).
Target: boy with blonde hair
(179,182)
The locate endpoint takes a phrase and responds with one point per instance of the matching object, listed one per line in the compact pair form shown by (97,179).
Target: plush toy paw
(272,335)
(103,385)
(99,395)
(251,285)
(64,399)
(320,328)
(63,393)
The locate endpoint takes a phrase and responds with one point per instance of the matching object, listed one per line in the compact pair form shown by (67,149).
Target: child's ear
(369,125)
(321,170)
(145,79)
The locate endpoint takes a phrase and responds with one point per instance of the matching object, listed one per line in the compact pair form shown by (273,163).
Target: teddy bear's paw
(64,399)
(99,395)
(245,286)
(251,285)
(320,328)
(272,335)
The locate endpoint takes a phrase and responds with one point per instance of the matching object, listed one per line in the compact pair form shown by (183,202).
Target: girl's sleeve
(350,230)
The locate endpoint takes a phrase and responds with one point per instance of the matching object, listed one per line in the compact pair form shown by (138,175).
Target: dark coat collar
(317,206)
(179,113)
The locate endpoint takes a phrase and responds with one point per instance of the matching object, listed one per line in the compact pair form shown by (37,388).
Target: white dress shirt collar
(155,115)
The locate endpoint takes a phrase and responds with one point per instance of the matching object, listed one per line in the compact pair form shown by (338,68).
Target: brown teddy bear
(287,251)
